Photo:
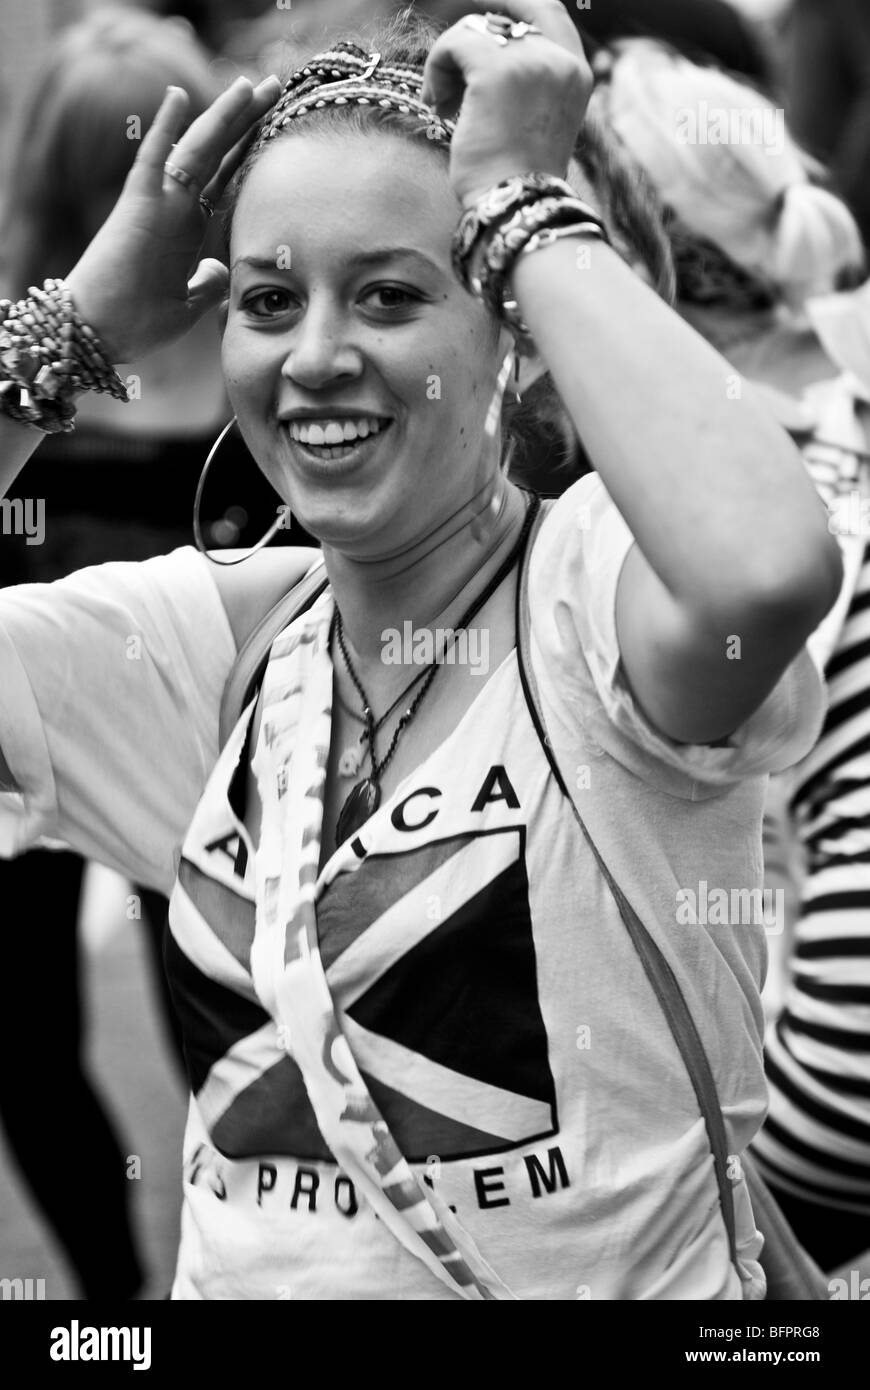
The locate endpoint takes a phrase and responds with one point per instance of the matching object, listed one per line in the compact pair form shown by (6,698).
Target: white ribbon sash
(290,766)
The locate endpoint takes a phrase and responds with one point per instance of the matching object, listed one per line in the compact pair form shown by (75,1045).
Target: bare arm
(139,284)
(250,589)
(733,558)
(731,539)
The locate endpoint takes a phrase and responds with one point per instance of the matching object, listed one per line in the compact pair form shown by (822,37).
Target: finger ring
(207,205)
(180,175)
(499,27)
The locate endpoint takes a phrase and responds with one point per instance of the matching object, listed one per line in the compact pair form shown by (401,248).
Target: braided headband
(348,76)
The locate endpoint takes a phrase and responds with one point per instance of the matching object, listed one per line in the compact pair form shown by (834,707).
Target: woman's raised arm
(139,284)
(732,542)
(734,566)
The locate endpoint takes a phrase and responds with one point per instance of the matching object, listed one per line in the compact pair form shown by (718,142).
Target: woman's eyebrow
(364,258)
(393,253)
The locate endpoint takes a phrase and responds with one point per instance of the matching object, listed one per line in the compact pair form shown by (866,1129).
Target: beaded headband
(348,76)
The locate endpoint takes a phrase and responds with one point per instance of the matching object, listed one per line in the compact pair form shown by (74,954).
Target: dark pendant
(363,801)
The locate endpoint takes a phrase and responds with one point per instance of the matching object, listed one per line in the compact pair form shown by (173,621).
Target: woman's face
(346,321)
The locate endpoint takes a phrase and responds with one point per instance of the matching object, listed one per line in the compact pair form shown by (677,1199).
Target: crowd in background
(768,245)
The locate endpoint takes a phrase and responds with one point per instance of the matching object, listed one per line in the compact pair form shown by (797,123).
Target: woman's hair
(93,99)
(602,172)
(750,226)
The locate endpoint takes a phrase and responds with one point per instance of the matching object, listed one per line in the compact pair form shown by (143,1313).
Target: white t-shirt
(482,974)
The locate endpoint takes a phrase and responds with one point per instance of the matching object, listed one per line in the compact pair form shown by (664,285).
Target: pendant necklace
(365,797)
(354,754)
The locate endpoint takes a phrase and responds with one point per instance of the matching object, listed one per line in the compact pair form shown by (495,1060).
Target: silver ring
(499,27)
(181,176)
(207,205)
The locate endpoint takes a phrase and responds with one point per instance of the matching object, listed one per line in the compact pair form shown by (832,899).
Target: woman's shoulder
(249,590)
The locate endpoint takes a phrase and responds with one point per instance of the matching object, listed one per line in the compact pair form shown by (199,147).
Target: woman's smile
(340,441)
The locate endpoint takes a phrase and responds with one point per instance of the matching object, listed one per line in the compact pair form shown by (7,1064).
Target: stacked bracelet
(519,215)
(509,307)
(47,354)
(493,207)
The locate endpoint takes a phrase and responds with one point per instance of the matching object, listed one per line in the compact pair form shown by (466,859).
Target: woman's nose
(320,351)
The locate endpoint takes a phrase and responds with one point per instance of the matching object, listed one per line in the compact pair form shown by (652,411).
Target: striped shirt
(815,1143)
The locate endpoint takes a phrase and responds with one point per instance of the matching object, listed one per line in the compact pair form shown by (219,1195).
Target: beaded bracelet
(494,206)
(47,354)
(505,246)
(508,239)
(507,220)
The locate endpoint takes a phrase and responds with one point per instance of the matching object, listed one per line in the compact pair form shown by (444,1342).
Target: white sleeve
(573,577)
(110,687)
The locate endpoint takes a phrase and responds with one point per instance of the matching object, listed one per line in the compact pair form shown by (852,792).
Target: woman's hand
(523,101)
(133,284)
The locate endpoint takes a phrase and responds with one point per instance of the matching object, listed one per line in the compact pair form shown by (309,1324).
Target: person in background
(826,82)
(709,31)
(121,487)
(238,32)
(712,31)
(762,257)
(250,32)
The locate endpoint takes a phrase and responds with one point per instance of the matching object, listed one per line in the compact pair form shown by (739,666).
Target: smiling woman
(346,130)
(425,1056)
(357,328)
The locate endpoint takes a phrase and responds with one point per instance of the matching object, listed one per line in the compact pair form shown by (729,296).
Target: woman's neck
(431,580)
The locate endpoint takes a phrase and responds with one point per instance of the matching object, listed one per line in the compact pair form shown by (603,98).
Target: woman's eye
(267,303)
(392,297)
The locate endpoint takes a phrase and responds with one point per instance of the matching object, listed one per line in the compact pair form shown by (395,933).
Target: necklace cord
(428,674)
(420,674)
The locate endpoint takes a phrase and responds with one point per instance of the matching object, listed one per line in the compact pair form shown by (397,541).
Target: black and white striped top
(815,1143)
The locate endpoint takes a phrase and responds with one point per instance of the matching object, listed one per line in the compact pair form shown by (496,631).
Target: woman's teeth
(326,434)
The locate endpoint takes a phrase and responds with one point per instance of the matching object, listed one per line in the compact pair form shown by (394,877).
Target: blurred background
(125,490)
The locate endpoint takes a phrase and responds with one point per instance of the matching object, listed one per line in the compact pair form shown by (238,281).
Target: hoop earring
(517,360)
(493,417)
(200,487)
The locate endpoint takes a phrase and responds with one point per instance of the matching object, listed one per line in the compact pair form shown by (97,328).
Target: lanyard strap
(290,765)
(658,971)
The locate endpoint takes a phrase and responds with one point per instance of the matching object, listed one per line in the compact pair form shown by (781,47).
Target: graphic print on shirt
(430,958)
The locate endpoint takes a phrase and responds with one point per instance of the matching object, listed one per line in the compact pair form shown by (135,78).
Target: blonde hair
(750,196)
